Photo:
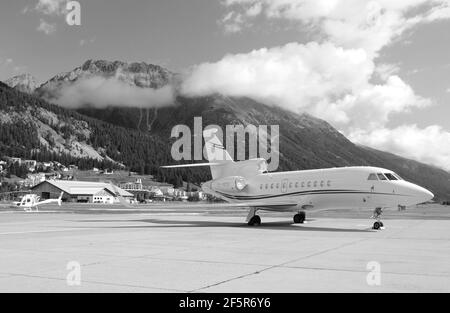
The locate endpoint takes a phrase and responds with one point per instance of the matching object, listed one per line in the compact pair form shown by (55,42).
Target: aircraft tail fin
(216,153)
(215,150)
(219,159)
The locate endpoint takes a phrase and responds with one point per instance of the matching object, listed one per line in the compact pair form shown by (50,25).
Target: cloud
(328,81)
(430,144)
(364,24)
(233,23)
(51,7)
(337,77)
(102,92)
(47,28)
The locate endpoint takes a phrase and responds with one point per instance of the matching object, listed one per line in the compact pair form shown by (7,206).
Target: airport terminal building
(80,191)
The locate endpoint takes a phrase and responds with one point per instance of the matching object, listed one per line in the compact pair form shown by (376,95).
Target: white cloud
(336,78)
(103,92)
(328,81)
(51,7)
(233,23)
(47,28)
(254,10)
(364,24)
(384,70)
(430,145)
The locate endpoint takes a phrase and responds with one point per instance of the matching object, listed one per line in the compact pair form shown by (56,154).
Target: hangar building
(80,191)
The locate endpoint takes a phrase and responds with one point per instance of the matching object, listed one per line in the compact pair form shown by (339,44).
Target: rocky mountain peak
(138,74)
(23,82)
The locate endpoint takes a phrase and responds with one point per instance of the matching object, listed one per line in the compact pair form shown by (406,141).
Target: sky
(378,71)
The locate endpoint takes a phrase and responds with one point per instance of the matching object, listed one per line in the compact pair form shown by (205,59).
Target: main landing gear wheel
(255,221)
(299,218)
(377,225)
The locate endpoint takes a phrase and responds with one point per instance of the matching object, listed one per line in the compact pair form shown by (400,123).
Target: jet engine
(229,184)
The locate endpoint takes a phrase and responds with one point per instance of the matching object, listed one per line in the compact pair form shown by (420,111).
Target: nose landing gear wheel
(255,221)
(299,218)
(377,215)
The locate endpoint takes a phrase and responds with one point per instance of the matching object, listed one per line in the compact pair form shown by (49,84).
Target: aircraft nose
(428,194)
(423,194)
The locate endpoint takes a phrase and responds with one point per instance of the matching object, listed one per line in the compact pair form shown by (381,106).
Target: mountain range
(306,142)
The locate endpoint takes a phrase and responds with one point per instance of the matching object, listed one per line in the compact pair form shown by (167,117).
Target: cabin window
(372,176)
(390,176)
(315,183)
(381,176)
(309,184)
(261,186)
(290,185)
(303,184)
(267,186)
(271,186)
(296,185)
(278,185)
(329,183)
(322,183)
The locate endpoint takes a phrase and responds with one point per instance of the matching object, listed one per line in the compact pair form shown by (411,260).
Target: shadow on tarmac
(158,223)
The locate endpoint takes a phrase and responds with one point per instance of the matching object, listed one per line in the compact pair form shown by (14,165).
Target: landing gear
(377,215)
(252,218)
(254,221)
(377,225)
(299,218)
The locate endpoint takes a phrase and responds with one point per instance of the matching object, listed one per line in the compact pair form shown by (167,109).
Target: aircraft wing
(194,205)
(262,205)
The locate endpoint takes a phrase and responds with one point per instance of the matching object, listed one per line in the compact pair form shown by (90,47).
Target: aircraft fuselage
(346,187)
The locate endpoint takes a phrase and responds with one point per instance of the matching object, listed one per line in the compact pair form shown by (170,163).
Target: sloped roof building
(80,191)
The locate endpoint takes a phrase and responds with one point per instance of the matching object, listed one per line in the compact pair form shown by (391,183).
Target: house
(30,163)
(34,179)
(15,160)
(81,191)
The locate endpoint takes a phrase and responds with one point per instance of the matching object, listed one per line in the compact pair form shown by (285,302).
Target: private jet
(249,184)
(31,202)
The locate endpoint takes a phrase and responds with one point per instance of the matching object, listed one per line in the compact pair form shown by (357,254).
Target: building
(137,185)
(34,179)
(15,160)
(80,191)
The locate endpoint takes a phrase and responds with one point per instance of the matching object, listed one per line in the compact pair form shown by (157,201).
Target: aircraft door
(284,185)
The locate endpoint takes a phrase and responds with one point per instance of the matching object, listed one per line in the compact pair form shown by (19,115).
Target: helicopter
(31,202)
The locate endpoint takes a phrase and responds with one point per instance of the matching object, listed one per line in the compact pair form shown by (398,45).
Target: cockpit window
(372,176)
(397,176)
(390,176)
(381,176)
